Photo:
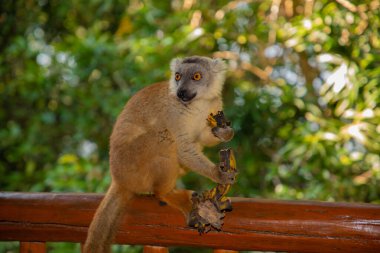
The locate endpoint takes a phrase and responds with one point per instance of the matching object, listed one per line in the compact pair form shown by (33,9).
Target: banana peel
(218,193)
(210,206)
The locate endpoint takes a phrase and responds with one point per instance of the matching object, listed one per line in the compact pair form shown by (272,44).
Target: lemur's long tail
(106,221)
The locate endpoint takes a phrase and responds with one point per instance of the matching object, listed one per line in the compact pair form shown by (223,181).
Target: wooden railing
(296,226)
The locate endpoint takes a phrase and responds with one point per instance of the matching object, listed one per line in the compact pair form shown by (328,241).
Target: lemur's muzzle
(185,96)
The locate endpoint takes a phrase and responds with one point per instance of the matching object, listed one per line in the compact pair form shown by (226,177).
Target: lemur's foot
(205,215)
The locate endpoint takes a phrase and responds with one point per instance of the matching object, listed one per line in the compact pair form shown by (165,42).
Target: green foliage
(302,91)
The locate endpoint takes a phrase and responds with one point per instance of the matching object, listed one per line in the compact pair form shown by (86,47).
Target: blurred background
(302,91)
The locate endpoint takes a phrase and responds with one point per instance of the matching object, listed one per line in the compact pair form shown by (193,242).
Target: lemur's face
(196,78)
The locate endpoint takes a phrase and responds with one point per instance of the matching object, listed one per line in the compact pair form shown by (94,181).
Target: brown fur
(156,138)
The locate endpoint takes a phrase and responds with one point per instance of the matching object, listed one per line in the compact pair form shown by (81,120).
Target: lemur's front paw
(226,177)
(220,126)
(224,134)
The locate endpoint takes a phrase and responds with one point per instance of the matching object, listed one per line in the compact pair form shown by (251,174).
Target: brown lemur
(158,136)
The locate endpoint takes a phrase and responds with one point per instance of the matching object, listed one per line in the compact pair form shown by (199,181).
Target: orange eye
(197,76)
(177,76)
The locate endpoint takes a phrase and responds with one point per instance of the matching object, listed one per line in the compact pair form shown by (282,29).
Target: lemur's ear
(218,65)
(174,64)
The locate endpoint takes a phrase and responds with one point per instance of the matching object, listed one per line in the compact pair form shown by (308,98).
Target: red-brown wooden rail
(295,226)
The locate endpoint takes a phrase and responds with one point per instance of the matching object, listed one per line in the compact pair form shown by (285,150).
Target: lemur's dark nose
(185,95)
(181,94)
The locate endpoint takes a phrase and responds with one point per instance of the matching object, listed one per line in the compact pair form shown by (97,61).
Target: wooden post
(32,247)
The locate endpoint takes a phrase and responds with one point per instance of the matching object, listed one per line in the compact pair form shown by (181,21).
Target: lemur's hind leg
(179,199)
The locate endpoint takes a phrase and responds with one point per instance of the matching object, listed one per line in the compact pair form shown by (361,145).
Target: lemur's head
(196,77)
